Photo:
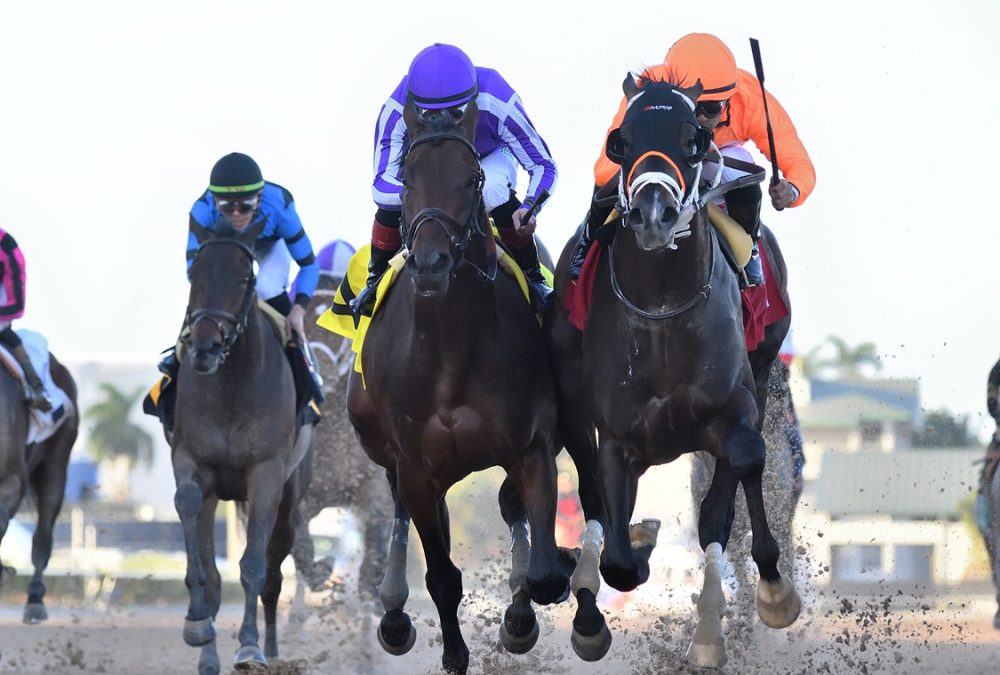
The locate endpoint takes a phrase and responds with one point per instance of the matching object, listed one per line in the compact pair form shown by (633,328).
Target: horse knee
(746,450)
(188,499)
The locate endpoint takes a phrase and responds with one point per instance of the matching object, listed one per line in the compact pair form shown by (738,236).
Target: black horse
(43,471)
(661,369)
(235,437)
(456,380)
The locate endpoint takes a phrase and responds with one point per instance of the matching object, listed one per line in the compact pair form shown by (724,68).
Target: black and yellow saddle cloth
(340,318)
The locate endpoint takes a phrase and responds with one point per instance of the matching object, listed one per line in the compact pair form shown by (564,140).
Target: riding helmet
(236,175)
(441,76)
(700,56)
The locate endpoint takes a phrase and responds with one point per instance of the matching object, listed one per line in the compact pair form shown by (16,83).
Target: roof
(895,392)
(849,411)
(908,484)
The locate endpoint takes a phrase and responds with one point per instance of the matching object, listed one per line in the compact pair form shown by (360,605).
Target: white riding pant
(273,271)
(500,168)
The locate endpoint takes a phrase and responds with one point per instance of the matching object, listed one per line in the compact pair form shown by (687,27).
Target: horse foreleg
(535,479)
(376,522)
(396,633)
(208,661)
(264,492)
(278,548)
(48,483)
(591,637)
(519,628)
(619,566)
(199,625)
(443,579)
(778,604)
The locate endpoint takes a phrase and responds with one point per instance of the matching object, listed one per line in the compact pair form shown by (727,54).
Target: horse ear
(630,86)
(694,91)
(249,235)
(615,146)
(410,118)
(467,124)
(200,233)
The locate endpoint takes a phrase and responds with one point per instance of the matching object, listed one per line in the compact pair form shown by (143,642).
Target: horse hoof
(396,624)
(518,644)
(778,605)
(591,647)
(712,655)
(644,533)
(34,612)
(200,632)
(996,620)
(249,657)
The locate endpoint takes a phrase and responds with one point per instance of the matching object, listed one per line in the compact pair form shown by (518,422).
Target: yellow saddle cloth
(339,318)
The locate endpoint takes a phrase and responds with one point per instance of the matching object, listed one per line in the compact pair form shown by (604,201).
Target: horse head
(223,289)
(660,146)
(442,195)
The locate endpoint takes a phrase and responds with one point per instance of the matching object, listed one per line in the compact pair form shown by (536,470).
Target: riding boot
(364,303)
(743,206)
(539,289)
(38,399)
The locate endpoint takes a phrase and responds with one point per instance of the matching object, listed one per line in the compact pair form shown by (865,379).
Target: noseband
(459,236)
(219,316)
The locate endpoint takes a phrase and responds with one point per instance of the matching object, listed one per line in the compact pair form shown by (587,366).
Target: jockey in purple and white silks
(443,80)
(12,294)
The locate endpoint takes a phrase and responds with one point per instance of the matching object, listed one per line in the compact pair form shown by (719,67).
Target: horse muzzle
(206,359)
(430,273)
(655,229)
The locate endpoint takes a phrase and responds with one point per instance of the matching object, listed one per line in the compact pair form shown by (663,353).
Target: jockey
(731,106)
(238,192)
(442,79)
(12,278)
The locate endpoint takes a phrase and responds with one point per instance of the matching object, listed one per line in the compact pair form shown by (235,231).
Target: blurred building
(875,508)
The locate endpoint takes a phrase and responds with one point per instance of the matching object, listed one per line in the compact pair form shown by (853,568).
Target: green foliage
(113,434)
(941,429)
(835,358)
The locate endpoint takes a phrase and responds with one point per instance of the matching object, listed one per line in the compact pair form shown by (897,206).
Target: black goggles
(231,206)
(710,108)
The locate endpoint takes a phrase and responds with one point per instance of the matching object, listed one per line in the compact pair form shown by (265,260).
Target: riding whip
(758,64)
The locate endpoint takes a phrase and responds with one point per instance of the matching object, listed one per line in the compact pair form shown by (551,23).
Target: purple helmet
(441,76)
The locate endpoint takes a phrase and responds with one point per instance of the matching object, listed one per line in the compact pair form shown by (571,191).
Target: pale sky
(114,112)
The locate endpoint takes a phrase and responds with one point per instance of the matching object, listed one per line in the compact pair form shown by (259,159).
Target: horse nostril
(440,262)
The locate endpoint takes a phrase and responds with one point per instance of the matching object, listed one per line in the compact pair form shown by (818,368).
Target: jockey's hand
(294,322)
(524,228)
(782,194)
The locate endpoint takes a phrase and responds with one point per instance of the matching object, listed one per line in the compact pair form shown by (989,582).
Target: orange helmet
(700,56)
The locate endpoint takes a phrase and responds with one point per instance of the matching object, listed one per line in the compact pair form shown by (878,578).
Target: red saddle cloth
(762,305)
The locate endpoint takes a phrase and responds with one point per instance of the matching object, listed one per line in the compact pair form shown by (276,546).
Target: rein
(458,243)
(219,316)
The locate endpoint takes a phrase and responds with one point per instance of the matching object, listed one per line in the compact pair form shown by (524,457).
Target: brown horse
(42,470)
(442,396)
(660,370)
(235,437)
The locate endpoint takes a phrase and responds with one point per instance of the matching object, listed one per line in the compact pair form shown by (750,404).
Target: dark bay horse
(457,380)
(43,471)
(235,438)
(660,370)
(342,475)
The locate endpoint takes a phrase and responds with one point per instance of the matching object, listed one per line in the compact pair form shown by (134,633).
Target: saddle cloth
(340,318)
(762,305)
(41,425)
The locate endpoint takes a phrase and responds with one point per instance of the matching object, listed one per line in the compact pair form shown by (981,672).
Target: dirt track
(845,636)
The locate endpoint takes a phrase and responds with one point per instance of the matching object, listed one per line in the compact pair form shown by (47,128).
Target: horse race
(609,351)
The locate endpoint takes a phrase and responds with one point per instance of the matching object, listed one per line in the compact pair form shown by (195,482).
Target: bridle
(459,236)
(221,317)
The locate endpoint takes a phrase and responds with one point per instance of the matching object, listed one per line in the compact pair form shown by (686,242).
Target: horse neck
(668,276)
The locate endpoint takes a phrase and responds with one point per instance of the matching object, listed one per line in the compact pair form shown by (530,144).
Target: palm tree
(847,362)
(112,434)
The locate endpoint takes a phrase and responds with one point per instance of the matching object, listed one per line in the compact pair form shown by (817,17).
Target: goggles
(710,108)
(231,206)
